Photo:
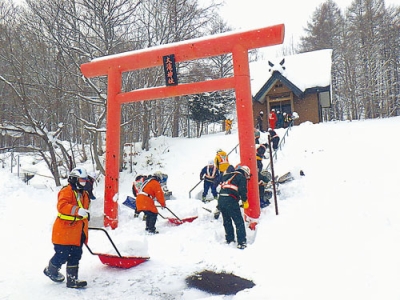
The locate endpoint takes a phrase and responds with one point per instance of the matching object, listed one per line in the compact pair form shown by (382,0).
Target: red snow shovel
(123,262)
(177,220)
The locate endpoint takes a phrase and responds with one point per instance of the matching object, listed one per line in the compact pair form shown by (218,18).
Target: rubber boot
(72,278)
(217,213)
(53,273)
(242,245)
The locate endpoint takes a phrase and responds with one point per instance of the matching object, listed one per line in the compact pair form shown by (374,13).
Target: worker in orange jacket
(70,229)
(151,190)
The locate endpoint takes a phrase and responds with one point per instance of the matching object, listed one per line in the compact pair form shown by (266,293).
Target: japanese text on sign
(171,77)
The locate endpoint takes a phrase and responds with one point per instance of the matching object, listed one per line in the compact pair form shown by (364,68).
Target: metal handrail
(190,192)
(281,143)
(274,155)
(234,148)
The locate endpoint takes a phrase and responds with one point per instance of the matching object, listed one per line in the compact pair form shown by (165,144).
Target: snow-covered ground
(337,235)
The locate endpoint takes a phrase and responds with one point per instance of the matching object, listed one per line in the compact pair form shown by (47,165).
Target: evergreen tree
(208,108)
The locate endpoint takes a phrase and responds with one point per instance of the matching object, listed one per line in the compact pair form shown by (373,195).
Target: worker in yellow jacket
(228,126)
(221,160)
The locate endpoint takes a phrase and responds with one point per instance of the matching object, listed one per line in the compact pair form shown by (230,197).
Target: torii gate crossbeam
(236,43)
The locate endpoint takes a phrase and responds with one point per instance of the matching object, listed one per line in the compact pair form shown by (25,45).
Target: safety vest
(141,192)
(210,172)
(227,184)
(74,218)
(222,159)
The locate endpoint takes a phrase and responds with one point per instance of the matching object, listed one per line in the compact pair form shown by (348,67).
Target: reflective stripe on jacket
(209,172)
(145,199)
(238,181)
(69,232)
(221,161)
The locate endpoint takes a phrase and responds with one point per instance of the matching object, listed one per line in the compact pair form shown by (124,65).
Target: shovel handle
(171,213)
(161,216)
(209,210)
(90,250)
(109,238)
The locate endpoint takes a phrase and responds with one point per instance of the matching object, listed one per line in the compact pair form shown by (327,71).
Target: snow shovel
(123,262)
(177,220)
(285,178)
(130,202)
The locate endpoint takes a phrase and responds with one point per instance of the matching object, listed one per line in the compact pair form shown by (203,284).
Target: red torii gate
(237,43)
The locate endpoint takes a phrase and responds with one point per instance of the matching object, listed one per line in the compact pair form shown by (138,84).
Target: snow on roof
(305,70)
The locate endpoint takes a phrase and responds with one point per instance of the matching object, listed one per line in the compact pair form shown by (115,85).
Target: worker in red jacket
(151,190)
(272,118)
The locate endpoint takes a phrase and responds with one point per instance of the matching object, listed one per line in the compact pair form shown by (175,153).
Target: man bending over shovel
(151,190)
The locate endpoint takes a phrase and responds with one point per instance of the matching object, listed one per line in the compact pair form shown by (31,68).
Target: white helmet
(160,177)
(266,173)
(78,173)
(75,174)
(210,162)
(246,169)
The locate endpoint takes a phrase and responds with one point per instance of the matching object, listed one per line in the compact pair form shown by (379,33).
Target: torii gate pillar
(236,43)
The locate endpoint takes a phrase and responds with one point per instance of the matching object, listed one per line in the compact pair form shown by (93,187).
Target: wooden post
(271,159)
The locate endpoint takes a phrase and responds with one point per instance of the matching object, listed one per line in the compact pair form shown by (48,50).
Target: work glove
(83,212)
(245,204)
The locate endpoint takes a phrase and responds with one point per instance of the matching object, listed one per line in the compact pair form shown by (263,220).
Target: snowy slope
(337,235)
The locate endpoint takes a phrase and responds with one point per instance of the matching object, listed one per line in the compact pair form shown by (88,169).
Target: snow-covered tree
(208,108)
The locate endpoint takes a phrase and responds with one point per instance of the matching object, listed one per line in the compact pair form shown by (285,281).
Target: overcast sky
(248,14)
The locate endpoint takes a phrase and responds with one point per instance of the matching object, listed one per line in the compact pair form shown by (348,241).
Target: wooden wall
(307,108)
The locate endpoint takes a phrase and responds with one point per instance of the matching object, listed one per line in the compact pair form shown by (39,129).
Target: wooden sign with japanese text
(171,77)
